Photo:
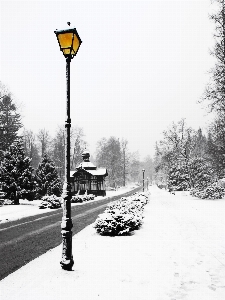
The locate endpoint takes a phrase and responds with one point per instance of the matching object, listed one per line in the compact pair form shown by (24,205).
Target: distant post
(143,171)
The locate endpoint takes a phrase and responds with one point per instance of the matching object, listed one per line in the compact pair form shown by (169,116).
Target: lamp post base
(67,257)
(66,226)
(67,264)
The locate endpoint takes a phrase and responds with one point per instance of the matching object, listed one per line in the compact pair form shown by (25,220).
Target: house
(87,177)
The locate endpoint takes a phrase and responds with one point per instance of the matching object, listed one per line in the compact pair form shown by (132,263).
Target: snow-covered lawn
(179,253)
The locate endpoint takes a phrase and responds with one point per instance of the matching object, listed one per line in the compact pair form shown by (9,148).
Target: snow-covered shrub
(8,202)
(51,202)
(122,216)
(82,198)
(213,191)
(178,179)
(76,199)
(88,197)
(141,197)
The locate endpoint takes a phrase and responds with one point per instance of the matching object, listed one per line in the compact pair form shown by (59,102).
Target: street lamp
(69,43)
(143,179)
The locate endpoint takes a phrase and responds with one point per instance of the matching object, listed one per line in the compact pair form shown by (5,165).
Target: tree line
(27,159)
(186,158)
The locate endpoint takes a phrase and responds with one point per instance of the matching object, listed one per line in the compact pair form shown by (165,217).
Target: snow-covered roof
(89,167)
(86,165)
(96,172)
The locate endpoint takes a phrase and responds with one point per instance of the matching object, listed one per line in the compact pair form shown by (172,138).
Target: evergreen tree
(178,177)
(216,148)
(16,174)
(201,173)
(48,182)
(10,121)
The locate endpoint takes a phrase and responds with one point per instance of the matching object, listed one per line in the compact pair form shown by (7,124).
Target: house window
(94,185)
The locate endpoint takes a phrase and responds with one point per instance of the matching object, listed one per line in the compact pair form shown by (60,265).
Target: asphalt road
(23,240)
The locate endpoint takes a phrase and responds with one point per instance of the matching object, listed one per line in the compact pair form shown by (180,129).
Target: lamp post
(69,43)
(143,179)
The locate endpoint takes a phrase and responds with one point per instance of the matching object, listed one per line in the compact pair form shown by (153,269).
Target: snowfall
(178,253)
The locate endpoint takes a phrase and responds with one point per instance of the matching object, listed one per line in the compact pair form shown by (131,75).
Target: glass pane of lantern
(65,40)
(66,51)
(76,43)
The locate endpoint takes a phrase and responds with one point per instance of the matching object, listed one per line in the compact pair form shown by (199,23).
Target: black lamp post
(143,179)
(69,43)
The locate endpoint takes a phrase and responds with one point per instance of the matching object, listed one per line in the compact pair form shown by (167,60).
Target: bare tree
(58,151)
(135,166)
(215,90)
(45,140)
(30,147)
(109,155)
(78,146)
(125,159)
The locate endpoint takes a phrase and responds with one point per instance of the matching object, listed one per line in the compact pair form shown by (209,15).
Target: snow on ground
(179,253)
(30,208)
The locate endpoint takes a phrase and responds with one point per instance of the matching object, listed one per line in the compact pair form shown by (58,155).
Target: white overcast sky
(141,66)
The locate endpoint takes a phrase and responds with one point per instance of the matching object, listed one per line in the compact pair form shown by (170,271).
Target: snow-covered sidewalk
(179,253)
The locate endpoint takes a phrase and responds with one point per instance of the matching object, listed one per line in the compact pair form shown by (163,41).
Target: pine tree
(201,173)
(10,121)
(178,177)
(216,150)
(47,178)
(16,174)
